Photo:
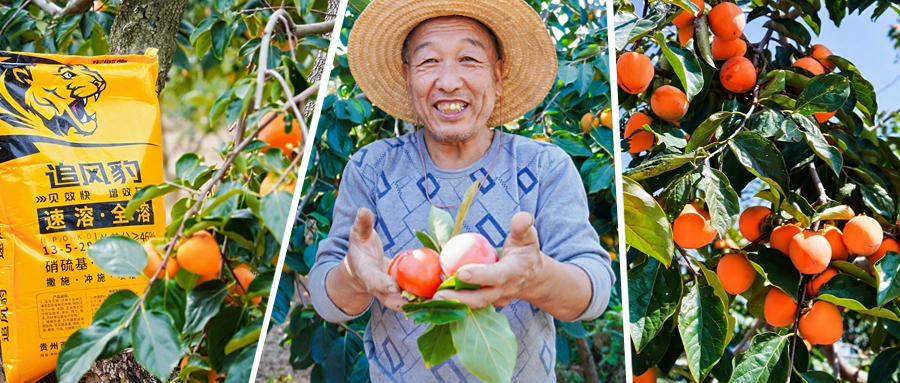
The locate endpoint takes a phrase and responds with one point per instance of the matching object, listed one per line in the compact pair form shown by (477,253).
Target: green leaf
(145,195)
(778,270)
(790,28)
(795,205)
(759,362)
(426,240)
(156,344)
(82,348)
(436,312)
(761,158)
(240,369)
(706,130)
(658,164)
(247,335)
(571,143)
(678,193)
(844,290)
(721,200)
(654,293)
(276,208)
(220,34)
(119,256)
(703,325)
(654,351)
(166,296)
(712,279)
(464,207)
(823,93)
(817,143)
(886,366)
(823,377)
(836,213)
(203,303)
(646,226)
(684,63)
(485,344)
(887,270)
(701,38)
(436,345)
(455,284)
(853,270)
(440,224)
(601,177)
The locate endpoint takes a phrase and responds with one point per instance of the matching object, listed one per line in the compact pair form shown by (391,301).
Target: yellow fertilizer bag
(78,137)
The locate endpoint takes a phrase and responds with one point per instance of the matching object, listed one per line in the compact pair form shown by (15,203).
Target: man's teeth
(451,107)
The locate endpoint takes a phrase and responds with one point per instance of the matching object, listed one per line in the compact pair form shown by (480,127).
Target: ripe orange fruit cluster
(736,273)
(154,260)
(726,21)
(738,75)
(274,133)
(647,377)
(822,324)
(751,221)
(200,255)
(669,103)
(692,229)
(634,72)
(639,139)
(244,277)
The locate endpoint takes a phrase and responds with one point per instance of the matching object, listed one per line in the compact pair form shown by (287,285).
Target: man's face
(453,76)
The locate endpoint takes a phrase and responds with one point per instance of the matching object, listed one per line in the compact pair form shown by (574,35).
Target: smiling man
(458,68)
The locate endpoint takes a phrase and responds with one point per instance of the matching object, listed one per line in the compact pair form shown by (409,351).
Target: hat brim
(528,52)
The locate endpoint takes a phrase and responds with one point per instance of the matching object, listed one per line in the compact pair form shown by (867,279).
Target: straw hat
(528,53)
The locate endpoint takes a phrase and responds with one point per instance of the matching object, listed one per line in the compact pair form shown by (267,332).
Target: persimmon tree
(760,196)
(572,116)
(248,65)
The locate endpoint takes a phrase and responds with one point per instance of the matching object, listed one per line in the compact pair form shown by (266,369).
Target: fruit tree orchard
(569,117)
(208,279)
(779,136)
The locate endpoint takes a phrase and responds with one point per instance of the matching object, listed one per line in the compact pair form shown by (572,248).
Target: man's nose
(449,79)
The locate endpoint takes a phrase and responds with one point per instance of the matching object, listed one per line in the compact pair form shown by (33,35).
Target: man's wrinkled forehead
(490,45)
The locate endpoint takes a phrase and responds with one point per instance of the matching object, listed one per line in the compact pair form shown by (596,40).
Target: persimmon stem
(687,263)
(800,305)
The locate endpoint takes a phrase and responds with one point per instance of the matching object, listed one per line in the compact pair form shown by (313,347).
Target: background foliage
(349,122)
(762,148)
(213,325)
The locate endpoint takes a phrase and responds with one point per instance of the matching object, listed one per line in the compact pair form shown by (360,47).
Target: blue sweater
(540,178)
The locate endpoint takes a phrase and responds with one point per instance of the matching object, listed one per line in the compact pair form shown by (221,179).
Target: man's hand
(563,290)
(516,276)
(363,272)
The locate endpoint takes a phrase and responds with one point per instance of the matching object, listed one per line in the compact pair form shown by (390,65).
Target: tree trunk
(316,73)
(142,24)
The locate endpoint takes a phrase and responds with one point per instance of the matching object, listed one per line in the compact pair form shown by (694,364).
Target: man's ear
(498,77)
(23,75)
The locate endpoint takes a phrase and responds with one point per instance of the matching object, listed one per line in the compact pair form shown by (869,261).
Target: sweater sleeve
(354,194)
(565,230)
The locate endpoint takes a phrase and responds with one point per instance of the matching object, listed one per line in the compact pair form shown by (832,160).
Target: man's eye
(68,75)
(468,58)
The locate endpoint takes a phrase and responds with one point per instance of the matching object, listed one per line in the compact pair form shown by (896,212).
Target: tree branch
(72,7)
(301,30)
(587,360)
(817,182)
(797,320)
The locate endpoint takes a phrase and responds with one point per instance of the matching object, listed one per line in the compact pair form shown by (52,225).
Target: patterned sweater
(540,178)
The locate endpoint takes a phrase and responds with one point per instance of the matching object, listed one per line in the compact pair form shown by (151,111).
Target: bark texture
(316,73)
(142,24)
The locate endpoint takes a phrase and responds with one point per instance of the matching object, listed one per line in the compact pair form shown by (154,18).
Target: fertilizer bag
(78,137)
